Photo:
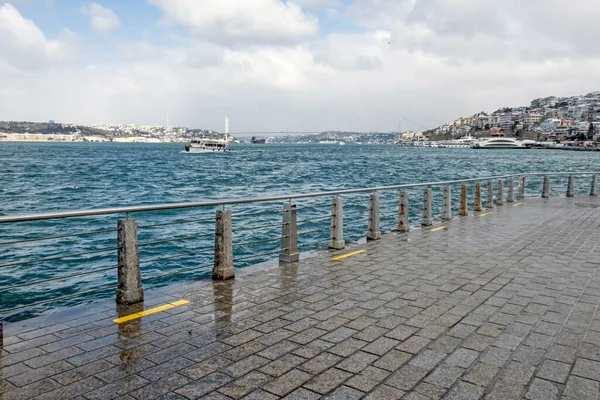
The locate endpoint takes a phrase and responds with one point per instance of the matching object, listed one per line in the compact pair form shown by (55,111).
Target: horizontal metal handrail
(189,221)
(13,264)
(314,231)
(173,206)
(257,213)
(249,228)
(37,303)
(312,243)
(178,272)
(259,255)
(176,239)
(314,219)
(57,237)
(272,239)
(175,256)
(57,278)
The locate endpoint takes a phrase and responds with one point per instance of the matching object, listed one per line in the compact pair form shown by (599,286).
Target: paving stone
(384,392)
(561,353)
(529,355)
(347,347)
(465,391)
(77,374)
(554,371)
(368,379)
(517,373)
(167,368)
(581,388)
(117,389)
(504,390)
(244,385)
(199,388)
(282,365)
(320,363)
(344,393)
(380,346)
(245,365)
(414,344)
(587,369)
(428,359)
(287,382)
(407,377)
(339,334)
(430,390)
(445,344)
(32,390)
(73,390)
(393,360)
(261,395)
(495,356)
(357,362)
(327,380)
(462,358)
(481,374)
(542,390)
(401,332)
(444,376)
(302,394)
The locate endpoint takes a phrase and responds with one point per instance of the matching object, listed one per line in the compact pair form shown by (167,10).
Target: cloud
(352,51)
(103,19)
(23,45)
(317,4)
(234,22)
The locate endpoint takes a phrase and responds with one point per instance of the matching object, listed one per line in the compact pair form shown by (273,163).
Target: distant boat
(256,140)
(499,143)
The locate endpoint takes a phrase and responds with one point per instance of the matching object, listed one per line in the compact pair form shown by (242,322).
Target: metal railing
(230,236)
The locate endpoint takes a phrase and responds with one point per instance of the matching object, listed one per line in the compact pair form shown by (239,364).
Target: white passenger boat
(499,143)
(465,142)
(208,145)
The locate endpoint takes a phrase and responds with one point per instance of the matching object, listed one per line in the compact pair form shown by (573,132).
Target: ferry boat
(465,142)
(208,145)
(499,143)
(256,140)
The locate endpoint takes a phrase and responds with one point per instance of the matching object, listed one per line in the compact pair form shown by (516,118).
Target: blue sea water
(44,177)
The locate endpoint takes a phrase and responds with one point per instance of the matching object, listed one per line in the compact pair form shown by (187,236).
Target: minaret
(226,128)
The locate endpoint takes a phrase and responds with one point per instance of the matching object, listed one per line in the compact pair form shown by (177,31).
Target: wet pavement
(496,306)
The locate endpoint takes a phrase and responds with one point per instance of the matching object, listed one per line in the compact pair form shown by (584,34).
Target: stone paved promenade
(500,306)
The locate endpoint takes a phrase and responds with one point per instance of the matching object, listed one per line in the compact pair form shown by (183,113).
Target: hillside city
(548,118)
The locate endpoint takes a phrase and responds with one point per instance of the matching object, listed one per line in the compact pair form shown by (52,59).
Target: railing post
(129,282)
(510,198)
(477,198)
(403,225)
(289,235)
(447,205)
(500,200)
(546,187)
(464,207)
(337,224)
(594,186)
(521,193)
(489,203)
(427,218)
(570,185)
(223,268)
(374,232)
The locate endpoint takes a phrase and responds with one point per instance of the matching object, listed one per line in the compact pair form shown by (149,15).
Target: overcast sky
(293,65)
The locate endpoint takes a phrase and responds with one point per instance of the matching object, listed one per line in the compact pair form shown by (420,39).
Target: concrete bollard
(447,205)
(570,185)
(129,284)
(477,198)
(403,225)
(489,202)
(464,207)
(374,232)
(510,197)
(427,215)
(546,187)
(1,335)
(594,186)
(521,193)
(337,225)
(223,268)
(500,199)
(289,233)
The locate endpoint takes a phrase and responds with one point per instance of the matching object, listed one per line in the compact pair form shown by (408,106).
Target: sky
(290,65)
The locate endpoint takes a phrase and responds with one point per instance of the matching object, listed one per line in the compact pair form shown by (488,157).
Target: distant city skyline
(293,65)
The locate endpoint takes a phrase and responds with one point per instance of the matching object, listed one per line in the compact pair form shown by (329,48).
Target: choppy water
(43,177)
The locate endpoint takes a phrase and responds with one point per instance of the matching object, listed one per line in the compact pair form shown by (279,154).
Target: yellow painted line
(517,204)
(348,255)
(439,228)
(485,214)
(151,311)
